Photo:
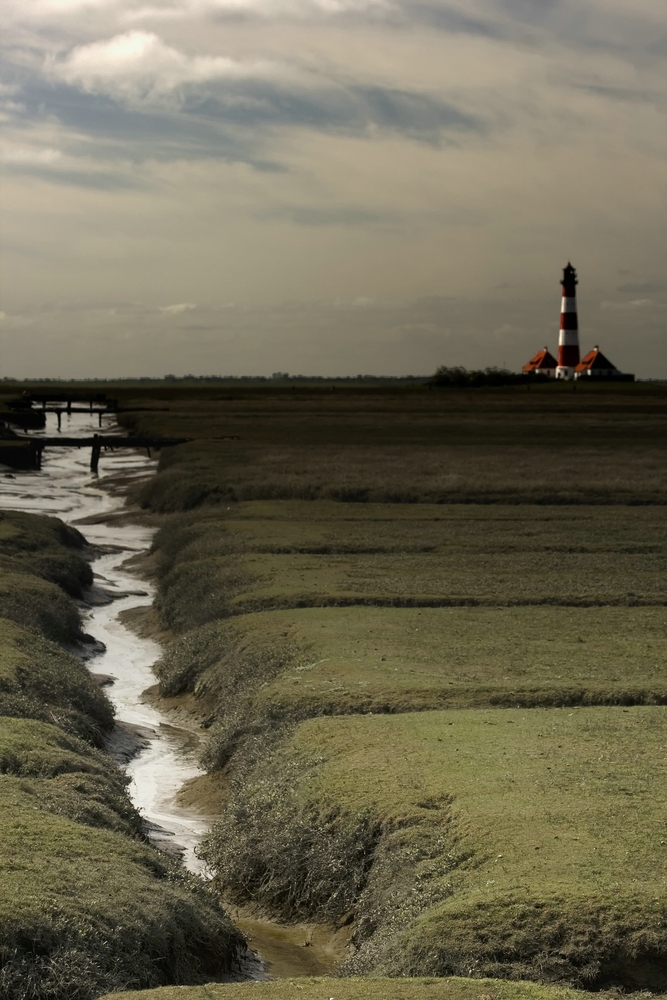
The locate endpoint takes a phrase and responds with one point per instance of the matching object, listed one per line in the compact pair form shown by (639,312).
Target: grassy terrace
(521,843)
(295,554)
(41,562)
(361,989)
(427,629)
(484,574)
(86,905)
(39,680)
(330,661)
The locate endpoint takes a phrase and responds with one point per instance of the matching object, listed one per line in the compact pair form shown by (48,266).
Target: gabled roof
(595,359)
(543,359)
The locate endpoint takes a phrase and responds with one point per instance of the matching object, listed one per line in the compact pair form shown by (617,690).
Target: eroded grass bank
(521,844)
(426,632)
(285,554)
(439,721)
(86,904)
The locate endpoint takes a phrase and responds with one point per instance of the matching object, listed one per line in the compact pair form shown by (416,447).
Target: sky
(330,187)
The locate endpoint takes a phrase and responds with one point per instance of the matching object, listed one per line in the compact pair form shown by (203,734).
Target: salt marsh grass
(453,988)
(520,844)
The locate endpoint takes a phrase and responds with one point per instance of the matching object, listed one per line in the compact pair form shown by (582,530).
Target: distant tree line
(462,377)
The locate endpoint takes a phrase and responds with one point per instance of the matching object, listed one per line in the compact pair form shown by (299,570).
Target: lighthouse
(568,340)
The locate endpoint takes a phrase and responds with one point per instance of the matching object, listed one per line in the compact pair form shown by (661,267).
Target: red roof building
(544,363)
(596,365)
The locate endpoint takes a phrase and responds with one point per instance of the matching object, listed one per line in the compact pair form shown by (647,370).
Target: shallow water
(161,755)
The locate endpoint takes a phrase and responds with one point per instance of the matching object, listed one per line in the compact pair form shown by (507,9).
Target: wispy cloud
(342,215)
(178,308)
(153,82)
(646,287)
(633,304)
(31,155)
(331,151)
(139,66)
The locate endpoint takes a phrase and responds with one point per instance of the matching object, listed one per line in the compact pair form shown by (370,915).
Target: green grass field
(46,548)
(41,567)
(39,680)
(293,554)
(85,905)
(375,558)
(453,988)
(287,665)
(599,444)
(521,844)
(366,584)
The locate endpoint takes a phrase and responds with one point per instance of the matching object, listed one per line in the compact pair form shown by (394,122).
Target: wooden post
(36,455)
(95,453)
(69,406)
(99,419)
(59,415)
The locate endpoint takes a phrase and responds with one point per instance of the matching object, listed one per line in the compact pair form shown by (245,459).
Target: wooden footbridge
(26,452)
(22,413)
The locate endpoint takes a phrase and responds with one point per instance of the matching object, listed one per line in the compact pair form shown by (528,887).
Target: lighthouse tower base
(565,372)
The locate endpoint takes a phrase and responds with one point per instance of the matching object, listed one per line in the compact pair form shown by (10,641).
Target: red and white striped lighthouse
(568,340)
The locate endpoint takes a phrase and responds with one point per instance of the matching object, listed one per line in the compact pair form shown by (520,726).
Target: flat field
(598,444)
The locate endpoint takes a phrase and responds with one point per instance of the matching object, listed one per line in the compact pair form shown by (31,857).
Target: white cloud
(17,321)
(133,11)
(634,304)
(30,155)
(266,8)
(139,66)
(179,307)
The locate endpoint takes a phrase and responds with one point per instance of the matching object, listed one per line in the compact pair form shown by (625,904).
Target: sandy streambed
(157,746)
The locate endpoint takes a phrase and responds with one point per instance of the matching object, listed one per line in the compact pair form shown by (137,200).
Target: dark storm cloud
(309,168)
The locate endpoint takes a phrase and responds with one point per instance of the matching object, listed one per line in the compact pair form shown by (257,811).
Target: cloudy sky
(329,186)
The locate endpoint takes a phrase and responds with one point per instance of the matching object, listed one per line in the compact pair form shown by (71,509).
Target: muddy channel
(156,747)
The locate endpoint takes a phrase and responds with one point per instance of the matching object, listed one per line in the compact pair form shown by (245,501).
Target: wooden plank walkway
(108,441)
(20,452)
